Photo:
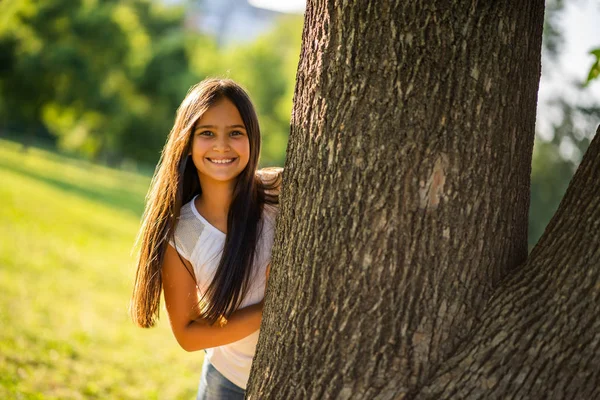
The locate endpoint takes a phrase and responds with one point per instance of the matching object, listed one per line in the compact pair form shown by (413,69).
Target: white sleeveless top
(201,244)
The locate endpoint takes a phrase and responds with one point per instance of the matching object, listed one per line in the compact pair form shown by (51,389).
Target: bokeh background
(88,93)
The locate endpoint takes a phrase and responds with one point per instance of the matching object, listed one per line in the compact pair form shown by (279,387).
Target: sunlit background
(88,93)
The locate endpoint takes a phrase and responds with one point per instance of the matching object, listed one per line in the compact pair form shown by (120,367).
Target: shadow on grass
(122,199)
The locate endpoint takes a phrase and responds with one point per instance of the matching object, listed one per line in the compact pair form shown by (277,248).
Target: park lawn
(67,228)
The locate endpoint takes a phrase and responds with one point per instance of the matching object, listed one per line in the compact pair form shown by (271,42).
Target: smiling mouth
(222,161)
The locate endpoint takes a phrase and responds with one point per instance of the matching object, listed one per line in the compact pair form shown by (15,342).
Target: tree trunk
(405,196)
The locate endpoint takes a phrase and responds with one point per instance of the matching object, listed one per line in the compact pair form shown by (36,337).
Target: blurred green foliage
(595,68)
(103,79)
(556,159)
(553,38)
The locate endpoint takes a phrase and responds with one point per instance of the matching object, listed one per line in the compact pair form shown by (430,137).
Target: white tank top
(201,244)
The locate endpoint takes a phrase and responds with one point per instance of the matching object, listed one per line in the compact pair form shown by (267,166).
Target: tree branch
(540,334)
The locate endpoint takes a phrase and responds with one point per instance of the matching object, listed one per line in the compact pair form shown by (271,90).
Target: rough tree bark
(398,261)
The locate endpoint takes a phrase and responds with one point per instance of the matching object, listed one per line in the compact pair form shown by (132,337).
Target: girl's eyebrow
(228,127)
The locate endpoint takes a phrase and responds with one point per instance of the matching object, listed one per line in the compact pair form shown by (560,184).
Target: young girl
(207,233)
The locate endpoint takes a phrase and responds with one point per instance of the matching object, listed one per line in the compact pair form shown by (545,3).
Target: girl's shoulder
(192,221)
(186,212)
(187,230)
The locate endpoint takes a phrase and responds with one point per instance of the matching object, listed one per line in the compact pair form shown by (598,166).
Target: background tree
(559,147)
(81,70)
(400,264)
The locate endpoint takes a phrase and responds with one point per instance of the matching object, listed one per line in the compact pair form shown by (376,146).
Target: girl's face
(220,145)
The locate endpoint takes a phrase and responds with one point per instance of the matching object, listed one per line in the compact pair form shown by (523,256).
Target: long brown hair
(175,183)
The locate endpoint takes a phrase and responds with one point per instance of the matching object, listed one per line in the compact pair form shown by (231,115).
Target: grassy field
(66,272)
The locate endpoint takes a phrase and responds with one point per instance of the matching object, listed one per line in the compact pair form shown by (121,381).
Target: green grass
(66,273)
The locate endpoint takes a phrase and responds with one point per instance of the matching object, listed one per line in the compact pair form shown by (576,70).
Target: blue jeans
(214,386)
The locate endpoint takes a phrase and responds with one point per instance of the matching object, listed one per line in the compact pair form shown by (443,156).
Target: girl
(207,233)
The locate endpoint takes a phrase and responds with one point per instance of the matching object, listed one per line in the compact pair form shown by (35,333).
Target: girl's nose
(221,145)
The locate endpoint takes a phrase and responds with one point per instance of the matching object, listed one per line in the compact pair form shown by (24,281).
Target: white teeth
(227,161)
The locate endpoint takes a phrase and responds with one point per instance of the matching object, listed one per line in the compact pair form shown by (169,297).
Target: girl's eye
(236,133)
(206,133)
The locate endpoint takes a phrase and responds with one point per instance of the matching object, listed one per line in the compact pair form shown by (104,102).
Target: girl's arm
(181,298)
